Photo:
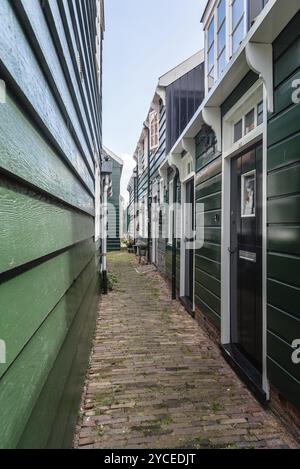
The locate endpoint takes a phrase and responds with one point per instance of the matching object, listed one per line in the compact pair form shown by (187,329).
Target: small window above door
(244,121)
(248,194)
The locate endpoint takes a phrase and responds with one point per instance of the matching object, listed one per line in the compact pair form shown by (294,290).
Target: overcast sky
(143,40)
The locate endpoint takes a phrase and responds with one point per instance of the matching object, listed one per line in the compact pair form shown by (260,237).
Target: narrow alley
(157,381)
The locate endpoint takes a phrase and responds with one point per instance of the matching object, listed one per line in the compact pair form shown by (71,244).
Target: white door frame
(190,177)
(258,134)
(155,228)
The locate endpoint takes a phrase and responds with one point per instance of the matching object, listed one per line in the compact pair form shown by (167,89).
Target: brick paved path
(157,381)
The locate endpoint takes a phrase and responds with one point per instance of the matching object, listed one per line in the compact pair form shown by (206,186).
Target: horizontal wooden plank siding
(159,158)
(284,217)
(25,75)
(50,139)
(208,221)
(25,154)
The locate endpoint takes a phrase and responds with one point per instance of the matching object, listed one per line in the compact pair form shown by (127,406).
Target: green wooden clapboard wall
(284,217)
(208,213)
(50,136)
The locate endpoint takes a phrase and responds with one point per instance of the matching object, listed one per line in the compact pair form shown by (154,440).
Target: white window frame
(145,153)
(224,23)
(161,191)
(243,119)
(232,31)
(251,99)
(213,17)
(140,161)
(170,213)
(208,49)
(154,121)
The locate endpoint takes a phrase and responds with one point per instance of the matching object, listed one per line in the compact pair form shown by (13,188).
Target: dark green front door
(246,255)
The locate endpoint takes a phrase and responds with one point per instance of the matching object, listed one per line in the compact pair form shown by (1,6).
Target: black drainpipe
(174,239)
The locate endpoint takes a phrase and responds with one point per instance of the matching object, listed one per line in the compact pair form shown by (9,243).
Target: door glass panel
(260,113)
(249,121)
(238,130)
(248,194)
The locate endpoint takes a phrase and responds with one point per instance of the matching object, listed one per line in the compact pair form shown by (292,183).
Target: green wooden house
(234,261)
(237,163)
(115,207)
(50,147)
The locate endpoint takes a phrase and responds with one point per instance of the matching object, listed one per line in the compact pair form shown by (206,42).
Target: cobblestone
(157,381)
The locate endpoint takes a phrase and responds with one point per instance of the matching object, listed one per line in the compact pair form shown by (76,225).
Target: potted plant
(130,244)
(142,249)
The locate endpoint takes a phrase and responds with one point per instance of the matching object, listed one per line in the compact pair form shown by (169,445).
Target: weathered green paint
(52,421)
(24,380)
(31,83)
(23,311)
(34,21)
(50,135)
(284,217)
(32,226)
(282,324)
(208,216)
(239,91)
(25,154)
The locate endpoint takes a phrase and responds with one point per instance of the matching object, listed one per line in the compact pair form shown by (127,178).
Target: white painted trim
(170,212)
(212,117)
(260,59)
(161,191)
(243,102)
(182,292)
(244,142)
(189,145)
(270,22)
(240,146)
(182,243)
(250,100)
(225,252)
(97,201)
(265,382)
(181,69)
(113,155)
(261,134)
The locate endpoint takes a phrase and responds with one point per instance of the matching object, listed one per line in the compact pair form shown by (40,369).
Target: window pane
(211,58)
(237,12)
(211,78)
(260,113)
(249,122)
(237,37)
(255,7)
(221,63)
(221,39)
(238,130)
(221,12)
(211,32)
